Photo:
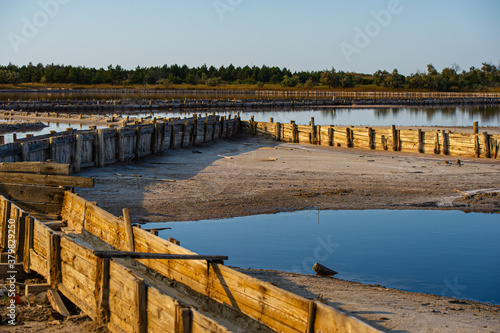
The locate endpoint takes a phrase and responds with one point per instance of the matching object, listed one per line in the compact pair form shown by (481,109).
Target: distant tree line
(450,79)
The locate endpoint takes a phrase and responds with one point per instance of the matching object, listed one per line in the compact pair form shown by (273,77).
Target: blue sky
(299,35)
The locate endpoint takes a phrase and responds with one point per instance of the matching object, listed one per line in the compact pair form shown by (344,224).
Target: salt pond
(448,253)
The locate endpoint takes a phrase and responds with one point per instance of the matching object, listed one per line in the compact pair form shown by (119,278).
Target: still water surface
(448,253)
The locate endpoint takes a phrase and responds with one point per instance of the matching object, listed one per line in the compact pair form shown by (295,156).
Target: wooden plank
(77,301)
(331,320)
(38,263)
(45,168)
(48,180)
(146,255)
(202,323)
(161,311)
(32,193)
(57,303)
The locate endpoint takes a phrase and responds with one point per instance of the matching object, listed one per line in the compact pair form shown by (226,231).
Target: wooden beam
(54,260)
(44,168)
(57,303)
(102,290)
(32,193)
(128,229)
(146,255)
(141,306)
(48,180)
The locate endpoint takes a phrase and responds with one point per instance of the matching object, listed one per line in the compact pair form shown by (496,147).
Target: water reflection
(425,251)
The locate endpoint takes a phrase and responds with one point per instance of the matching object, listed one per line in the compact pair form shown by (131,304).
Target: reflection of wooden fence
(412,140)
(130,300)
(82,149)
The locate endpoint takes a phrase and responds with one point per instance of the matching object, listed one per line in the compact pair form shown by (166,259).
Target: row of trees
(450,79)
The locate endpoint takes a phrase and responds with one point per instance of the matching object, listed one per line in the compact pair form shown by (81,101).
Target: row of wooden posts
(438,141)
(112,292)
(100,147)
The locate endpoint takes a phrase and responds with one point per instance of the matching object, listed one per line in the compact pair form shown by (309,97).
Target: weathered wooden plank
(45,168)
(146,255)
(48,180)
(32,193)
(77,301)
(38,263)
(330,320)
(57,303)
(201,324)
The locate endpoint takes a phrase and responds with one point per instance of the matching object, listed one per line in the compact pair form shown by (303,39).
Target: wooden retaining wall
(442,142)
(112,294)
(278,309)
(82,149)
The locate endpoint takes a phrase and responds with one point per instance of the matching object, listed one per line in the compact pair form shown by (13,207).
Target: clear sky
(359,35)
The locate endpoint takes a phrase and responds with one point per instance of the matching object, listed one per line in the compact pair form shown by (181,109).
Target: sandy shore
(254,176)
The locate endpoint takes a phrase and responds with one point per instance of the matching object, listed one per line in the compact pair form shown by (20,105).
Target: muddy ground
(246,176)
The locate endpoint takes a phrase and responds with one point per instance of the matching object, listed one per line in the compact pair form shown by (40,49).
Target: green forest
(486,78)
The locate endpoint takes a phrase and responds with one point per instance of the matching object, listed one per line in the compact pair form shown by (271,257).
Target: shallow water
(447,253)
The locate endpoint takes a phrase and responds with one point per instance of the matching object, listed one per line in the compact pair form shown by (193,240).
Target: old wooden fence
(437,141)
(82,149)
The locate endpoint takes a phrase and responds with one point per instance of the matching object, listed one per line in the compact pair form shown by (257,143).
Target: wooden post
(54,260)
(141,306)
(295,132)
(25,149)
(182,319)
(313,131)
(278,131)
(77,161)
(486,143)
(128,229)
(476,127)
(28,242)
(5,224)
(330,136)
(349,137)
(195,131)
(437,150)
(252,125)
(311,316)
(20,233)
(14,137)
(2,140)
(395,138)
(420,140)
(121,144)
(138,136)
(371,142)
(100,148)
(477,150)
(446,145)
(53,149)
(102,290)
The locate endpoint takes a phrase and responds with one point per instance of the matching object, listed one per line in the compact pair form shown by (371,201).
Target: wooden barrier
(442,142)
(276,308)
(83,149)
